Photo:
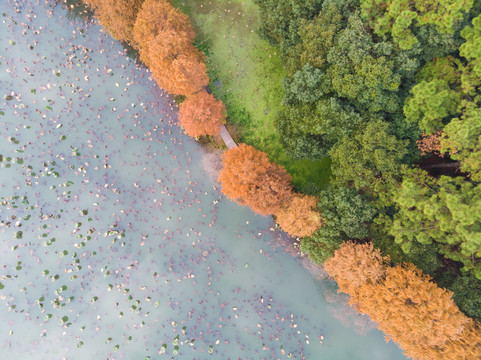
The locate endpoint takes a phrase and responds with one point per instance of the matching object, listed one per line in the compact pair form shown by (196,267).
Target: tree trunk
(456,164)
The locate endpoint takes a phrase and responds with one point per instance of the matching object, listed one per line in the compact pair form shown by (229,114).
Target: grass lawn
(249,74)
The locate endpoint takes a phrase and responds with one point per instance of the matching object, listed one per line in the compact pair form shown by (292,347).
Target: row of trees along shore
(390,92)
(372,85)
(164,37)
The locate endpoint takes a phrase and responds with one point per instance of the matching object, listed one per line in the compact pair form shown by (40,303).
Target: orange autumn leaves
(202,114)
(298,216)
(249,178)
(355,265)
(118,16)
(164,37)
(412,311)
(408,307)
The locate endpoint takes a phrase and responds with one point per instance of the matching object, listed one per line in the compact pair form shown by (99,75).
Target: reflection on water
(116,242)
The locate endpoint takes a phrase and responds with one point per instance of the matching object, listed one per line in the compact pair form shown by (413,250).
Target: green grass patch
(246,74)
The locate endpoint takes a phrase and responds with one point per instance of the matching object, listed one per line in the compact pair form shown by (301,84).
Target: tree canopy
(361,71)
(187,75)
(400,17)
(202,114)
(310,131)
(164,36)
(316,37)
(467,295)
(117,16)
(346,216)
(356,265)
(441,211)
(404,301)
(280,19)
(299,216)
(470,50)
(159,22)
(462,139)
(370,159)
(249,178)
(431,104)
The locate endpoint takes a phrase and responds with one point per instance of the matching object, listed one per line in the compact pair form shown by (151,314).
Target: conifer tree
(408,307)
(298,216)
(161,33)
(202,114)
(117,16)
(249,178)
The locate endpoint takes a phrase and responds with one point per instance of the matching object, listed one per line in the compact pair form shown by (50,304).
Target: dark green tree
(370,160)
(279,20)
(316,36)
(467,295)
(318,248)
(309,131)
(306,86)
(424,256)
(361,70)
(299,143)
(347,215)
(432,44)
(446,68)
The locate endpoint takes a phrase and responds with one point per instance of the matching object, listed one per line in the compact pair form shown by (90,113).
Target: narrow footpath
(228,140)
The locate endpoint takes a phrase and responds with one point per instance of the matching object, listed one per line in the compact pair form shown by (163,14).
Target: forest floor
(247,75)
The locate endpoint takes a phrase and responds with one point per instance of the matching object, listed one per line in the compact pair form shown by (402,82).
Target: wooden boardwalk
(224,134)
(228,140)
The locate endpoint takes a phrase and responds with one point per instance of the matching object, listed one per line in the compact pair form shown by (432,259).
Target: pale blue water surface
(115,240)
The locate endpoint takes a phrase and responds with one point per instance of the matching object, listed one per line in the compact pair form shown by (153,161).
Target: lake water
(116,242)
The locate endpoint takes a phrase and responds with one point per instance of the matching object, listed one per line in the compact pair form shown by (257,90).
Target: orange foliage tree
(158,21)
(298,216)
(164,36)
(202,114)
(430,144)
(117,16)
(186,75)
(408,307)
(249,178)
(354,265)
(159,53)
(406,302)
